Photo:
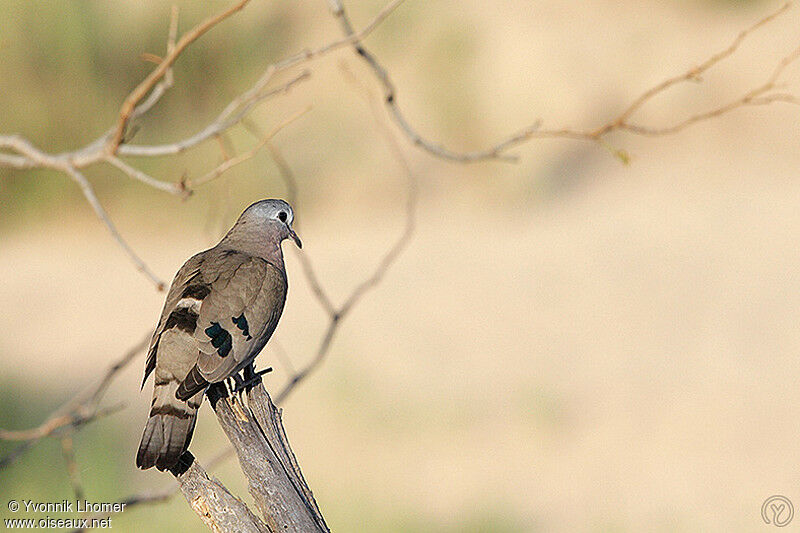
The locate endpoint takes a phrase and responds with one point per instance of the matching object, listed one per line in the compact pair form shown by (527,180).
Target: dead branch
(336,314)
(761,95)
(230,162)
(130,103)
(82,409)
(273,475)
(158,496)
(68,452)
(212,502)
(108,147)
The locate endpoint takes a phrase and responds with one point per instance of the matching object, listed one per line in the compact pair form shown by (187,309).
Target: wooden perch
(214,504)
(274,477)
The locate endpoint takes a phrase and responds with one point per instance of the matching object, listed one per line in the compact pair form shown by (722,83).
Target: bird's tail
(169,428)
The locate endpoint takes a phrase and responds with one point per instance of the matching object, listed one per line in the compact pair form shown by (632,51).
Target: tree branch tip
(184,186)
(150,58)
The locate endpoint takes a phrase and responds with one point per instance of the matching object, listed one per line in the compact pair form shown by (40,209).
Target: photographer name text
(72,506)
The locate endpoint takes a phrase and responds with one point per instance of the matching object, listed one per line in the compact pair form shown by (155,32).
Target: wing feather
(185,278)
(245,302)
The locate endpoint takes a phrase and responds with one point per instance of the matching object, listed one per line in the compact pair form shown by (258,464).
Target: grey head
(264,224)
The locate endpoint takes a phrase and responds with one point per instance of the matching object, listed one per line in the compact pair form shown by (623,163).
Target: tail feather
(169,429)
(193,382)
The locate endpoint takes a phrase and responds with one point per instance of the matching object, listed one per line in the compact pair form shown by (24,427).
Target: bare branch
(67,450)
(88,192)
(336,314)
(233,113)
(78,411)
(137,174)
(274,478)
(162,86)
(26,149)
(410,207)
(129,105)
(390,100)
(694,74)
(16,161)
(499,150)
(212,502)
(232,162)
(108,147)
(280,162)
(319,356)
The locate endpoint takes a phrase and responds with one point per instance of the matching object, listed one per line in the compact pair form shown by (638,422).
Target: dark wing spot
(220,339)
(183,318)
(213,330)
(223,344)
(241,323)
(196,292)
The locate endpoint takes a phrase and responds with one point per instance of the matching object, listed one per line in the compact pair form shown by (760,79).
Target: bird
(221,309)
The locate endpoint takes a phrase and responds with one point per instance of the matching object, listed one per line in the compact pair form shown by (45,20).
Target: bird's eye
(282,216)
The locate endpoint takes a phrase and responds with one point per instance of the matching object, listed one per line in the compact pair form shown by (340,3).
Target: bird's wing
(180,306)
(237,316)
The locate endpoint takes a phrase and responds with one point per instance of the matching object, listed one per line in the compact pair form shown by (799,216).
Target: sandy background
(568,344)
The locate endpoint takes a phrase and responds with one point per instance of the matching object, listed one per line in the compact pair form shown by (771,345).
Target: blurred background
(568,343)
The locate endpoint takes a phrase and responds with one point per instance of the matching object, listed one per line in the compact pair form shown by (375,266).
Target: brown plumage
(220,311)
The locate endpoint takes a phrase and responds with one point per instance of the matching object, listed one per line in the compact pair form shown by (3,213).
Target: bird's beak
(295,238)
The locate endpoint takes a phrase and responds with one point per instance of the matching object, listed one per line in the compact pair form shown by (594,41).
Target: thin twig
(51,427)
(130,103)
(108,147)
(241,158)
(162,86)
(68,451)
(694,74)
(78,411)
(280,162)
(336,314)
(499,151)
(141,176)
(88,193)
(233,113)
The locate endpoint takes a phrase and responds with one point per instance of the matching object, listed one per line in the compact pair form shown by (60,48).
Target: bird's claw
(247,380)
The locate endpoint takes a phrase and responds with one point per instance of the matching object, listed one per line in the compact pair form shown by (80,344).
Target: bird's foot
(250,379)
(234,383)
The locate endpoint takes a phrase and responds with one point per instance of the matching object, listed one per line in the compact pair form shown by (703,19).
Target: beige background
(568,344)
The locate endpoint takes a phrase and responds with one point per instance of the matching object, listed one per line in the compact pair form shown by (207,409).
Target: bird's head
(276,215)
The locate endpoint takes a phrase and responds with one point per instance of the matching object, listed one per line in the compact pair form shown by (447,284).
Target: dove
(221,309)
